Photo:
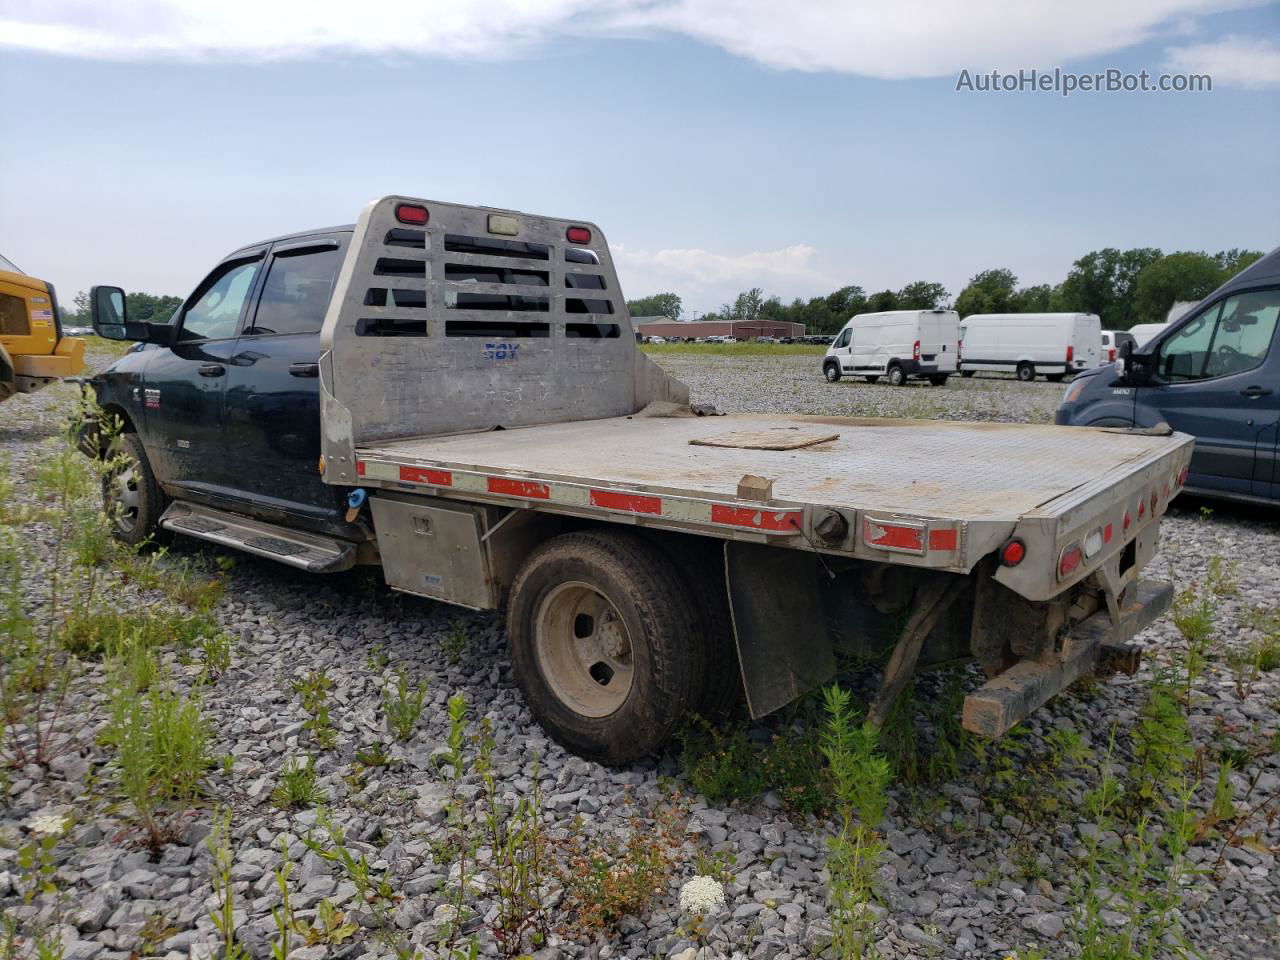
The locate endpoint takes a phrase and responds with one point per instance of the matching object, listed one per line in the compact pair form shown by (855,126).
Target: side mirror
(1134,367)
(109,314)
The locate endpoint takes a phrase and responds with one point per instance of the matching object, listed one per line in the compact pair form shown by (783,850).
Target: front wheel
(832,372)
(130,494)
(600,625)
(1025,372)
(897,376)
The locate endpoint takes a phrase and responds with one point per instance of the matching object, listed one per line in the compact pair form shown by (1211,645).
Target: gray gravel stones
(959,880)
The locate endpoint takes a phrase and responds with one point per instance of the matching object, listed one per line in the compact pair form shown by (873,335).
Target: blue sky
(716,152)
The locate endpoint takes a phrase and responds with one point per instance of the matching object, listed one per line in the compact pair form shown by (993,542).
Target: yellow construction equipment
(33,351)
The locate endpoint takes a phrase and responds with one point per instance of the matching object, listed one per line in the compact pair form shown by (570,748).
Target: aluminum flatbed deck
(971,481)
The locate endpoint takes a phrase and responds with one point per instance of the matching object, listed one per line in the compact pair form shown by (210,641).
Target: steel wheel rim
(584,649)
(122,496)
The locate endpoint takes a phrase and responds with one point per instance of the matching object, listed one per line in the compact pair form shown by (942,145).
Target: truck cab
(33,351)
(225,398)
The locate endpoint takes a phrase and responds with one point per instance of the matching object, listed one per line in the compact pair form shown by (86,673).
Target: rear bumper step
(1094,643)
(306,551)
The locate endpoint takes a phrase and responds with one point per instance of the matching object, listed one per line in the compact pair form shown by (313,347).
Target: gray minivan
(1214,374)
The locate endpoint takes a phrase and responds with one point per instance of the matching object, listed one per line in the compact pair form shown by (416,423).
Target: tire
(130,493)
(645,676)
(897,376)
(875,379)
(940,380)
(701,567)
(1025,372)
(967,373)
(1055,377)
(831,371)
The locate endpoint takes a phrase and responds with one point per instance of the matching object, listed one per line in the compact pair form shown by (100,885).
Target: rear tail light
(1013,552)
(959,348)
(915,350)
(578,235)
(411,213)
(1069,560)
(1111,355)
(1071,353)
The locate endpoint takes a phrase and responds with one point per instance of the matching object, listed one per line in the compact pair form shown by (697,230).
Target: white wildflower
(702,895)
(47,825)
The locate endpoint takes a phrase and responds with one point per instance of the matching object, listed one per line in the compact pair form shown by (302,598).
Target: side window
(216,311)
(1183,355)
(296,292)
(1245,330)
(845,335)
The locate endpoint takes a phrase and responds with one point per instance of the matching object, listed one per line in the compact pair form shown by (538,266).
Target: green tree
(882,301)
(147,307)
(1179,276)
(657,305)
(1036,299)
(1104,282)
(990,291)
(921,295)
(1234,260)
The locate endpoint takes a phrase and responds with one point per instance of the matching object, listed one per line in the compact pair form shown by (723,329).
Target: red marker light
(1013,553)
(578,235)
(1127,521)
(1182,477)
(1069,560)
(1071,353)
(411,213)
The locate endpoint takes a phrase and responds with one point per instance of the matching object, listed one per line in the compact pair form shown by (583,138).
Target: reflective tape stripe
(436,478)
(756,518)
(627,502)
(530,489)
(943,540)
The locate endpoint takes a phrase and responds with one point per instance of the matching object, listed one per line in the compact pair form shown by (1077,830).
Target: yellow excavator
(33,351)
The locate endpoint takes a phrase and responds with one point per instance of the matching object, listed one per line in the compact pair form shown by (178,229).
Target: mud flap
(784,648)
(1096,642)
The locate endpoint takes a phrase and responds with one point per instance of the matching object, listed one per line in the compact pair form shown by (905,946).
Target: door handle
(212,370)
(304,369)
(1255,392)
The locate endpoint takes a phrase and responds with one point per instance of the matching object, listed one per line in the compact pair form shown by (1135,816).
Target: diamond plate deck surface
(970,471)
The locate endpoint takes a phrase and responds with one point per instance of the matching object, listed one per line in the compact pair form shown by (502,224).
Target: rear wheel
(130,494)
(831,371)
(604,644)
(897,376)
(940,380)
(1026,372)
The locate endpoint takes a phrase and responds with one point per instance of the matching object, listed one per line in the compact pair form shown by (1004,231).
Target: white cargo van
(897,344)
(1027,344)
(1144,333)
(1112,340)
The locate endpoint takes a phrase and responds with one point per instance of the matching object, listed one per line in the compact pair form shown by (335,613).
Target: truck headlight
(1075,389)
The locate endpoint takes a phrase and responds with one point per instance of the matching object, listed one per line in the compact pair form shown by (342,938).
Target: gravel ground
(964,876)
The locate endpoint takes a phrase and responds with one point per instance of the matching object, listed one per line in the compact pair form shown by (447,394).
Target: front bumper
(1093,643)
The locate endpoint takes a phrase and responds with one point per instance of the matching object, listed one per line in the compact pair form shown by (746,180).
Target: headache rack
(452,319)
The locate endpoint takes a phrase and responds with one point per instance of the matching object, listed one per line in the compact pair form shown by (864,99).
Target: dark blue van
(1214,374)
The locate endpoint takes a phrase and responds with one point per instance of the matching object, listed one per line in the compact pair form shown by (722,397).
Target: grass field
(735,349)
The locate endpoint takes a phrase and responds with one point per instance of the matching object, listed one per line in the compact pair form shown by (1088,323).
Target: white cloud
(907,38)
(1232,61)
(705,279)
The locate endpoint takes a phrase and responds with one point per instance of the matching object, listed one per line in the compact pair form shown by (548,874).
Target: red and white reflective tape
(903,535)
(775,521)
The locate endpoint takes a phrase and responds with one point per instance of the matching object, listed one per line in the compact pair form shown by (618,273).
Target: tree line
(1123,287)
(147,307)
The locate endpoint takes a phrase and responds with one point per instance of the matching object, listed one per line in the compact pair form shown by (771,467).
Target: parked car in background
(1214,374)
(1111,341)
(657,339)
(898,345)
(1030,344)
(1144,333)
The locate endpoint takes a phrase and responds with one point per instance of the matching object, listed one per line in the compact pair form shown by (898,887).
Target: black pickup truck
(455,394)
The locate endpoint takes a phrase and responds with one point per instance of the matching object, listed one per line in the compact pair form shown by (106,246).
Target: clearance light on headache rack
(503,226)
(578,235)
(411,213)
(1069,560)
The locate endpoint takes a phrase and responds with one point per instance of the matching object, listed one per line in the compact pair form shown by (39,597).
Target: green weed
(403,706)
(298,787)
